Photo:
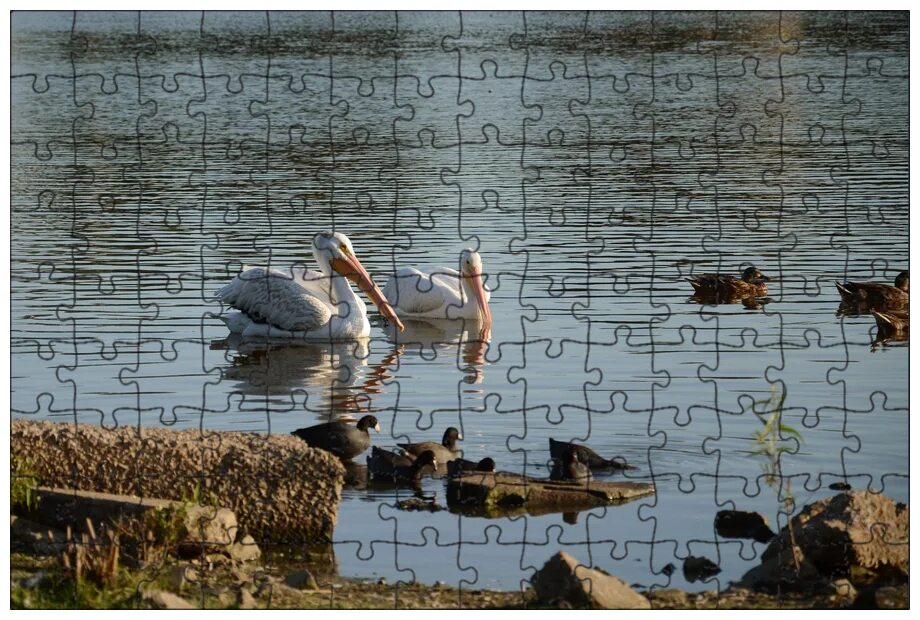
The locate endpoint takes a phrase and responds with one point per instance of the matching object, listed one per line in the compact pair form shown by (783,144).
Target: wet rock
(416,504)
(699,568)
(564,579)
(301,580)
(839,486)
(741,524)
(161,599)
(859,536)
(668,569)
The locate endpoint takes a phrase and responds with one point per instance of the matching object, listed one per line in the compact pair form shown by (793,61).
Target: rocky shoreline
(279,488)
(192,549)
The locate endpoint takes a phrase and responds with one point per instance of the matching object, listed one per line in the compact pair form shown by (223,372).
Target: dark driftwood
(493,494)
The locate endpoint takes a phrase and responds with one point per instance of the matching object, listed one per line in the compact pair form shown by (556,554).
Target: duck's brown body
(867,296)
(721,287)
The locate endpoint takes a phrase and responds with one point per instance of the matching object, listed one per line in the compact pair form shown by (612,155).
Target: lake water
(595,160)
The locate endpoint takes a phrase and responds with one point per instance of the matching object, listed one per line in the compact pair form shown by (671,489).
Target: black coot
(586,455)
(390,466)
(340,438)
(458,467)
(569,467)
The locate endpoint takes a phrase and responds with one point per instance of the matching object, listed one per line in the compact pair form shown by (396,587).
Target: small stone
(245,600)
(246,550)
(382,581)
(301,580)
(668,569)
(698,569)
(844,589)
(839,486)
(166,600)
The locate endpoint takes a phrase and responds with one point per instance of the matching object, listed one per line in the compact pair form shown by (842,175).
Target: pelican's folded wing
(410,291)
(274,297)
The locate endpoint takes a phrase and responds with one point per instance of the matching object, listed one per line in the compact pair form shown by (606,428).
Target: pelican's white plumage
(441,292)
(302,303)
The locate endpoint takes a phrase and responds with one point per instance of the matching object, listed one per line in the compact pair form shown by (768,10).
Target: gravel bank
(280,489)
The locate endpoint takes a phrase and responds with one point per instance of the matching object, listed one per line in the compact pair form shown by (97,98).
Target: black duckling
(586,455)
(445,451)
(458,467)
(340,438)
(867,296)
(892,323)
(390,466)
(569,467)
(752,283)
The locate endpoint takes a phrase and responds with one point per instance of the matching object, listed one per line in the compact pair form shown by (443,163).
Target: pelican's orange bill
(351,268)
(480,292)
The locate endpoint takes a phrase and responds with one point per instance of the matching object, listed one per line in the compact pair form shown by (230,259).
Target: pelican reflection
(460,338)
(338,374)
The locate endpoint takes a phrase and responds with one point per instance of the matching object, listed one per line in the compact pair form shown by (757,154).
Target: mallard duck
(339,437)
(446,451)
(586,455)
(867,296)
(458,467)
(752,283)
(389,466)
(892,323)
(569,467)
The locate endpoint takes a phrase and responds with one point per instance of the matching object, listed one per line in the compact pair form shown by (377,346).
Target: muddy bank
(279,488)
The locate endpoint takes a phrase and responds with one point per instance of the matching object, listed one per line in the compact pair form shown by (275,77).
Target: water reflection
(748,301)
(338,373)
(442,335)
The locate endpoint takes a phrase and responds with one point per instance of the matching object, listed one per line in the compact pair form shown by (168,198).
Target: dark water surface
(596,160)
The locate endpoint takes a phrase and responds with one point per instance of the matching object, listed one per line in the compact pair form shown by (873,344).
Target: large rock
(563,578)
(280,489)
(859,536)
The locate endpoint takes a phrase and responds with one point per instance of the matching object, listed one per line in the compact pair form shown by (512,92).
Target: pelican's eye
(345,250)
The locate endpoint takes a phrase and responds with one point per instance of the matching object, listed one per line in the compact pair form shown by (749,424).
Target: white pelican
(442,292)
(306,304)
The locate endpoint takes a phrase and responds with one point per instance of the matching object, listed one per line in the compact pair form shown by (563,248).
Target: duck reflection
(750,302)
(464,338)
(892,326)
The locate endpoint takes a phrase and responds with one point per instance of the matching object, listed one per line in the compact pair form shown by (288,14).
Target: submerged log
(494,494)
